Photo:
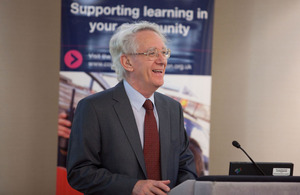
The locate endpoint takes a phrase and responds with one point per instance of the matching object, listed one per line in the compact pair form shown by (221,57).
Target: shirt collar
(136,98)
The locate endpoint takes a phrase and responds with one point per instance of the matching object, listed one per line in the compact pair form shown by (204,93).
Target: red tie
(151,143)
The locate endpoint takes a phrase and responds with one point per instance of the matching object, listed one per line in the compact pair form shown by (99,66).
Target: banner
(85,64)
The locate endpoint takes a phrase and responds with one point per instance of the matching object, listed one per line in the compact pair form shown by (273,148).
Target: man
(108,150)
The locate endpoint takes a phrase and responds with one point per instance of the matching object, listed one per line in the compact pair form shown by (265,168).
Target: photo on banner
(85,64)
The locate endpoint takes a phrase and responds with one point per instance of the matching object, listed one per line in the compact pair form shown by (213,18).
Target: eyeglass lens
(154,53)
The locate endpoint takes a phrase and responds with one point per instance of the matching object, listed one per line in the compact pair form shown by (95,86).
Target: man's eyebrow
(156,48)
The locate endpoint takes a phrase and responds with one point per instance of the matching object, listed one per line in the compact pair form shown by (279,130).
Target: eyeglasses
(153,53)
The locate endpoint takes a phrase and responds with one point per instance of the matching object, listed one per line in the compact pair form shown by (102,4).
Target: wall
(256,82)
(29,53)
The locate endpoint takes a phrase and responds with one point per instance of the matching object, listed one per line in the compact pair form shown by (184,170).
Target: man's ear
(126,63)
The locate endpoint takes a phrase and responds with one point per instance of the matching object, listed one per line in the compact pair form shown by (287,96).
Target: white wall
(29,65)
(255,82)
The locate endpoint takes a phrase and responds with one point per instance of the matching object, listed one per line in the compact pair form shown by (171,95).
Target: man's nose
(161,57)
(161,61)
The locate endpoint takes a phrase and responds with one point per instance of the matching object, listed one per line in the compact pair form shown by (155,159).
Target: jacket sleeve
(84,168)
(187,169)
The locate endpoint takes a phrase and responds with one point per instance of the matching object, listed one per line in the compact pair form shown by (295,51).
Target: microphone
(237,145)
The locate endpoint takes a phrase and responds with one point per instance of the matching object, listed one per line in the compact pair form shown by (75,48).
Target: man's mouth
(157,71)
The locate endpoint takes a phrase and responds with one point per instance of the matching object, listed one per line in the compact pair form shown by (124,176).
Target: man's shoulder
(102,96)
(99,95)
(164,98)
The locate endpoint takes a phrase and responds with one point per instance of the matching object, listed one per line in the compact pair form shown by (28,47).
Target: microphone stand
(260,170)
(237,145)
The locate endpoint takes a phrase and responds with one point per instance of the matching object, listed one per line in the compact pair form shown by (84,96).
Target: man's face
(148,73)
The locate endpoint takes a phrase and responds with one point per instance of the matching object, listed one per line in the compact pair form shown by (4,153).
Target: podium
(246,185)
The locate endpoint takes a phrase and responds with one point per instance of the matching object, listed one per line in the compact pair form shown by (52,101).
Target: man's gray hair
(123,42)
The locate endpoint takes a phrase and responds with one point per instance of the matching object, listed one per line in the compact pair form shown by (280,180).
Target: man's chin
(159,84)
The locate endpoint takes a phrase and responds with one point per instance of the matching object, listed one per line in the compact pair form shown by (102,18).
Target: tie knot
(148,105)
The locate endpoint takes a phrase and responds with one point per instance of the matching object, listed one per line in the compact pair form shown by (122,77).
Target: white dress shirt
(137,100)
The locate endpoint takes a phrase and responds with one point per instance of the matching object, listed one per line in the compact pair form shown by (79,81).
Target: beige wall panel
(29,64)
(256,82)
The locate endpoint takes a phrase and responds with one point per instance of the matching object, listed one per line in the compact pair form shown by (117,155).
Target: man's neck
(147,93)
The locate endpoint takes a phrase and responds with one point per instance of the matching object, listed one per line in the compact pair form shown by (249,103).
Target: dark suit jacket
(105,155)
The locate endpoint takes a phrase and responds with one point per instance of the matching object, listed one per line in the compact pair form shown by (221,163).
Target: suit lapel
(164,134)
(126,117)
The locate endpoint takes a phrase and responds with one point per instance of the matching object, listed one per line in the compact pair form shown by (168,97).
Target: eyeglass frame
(156,53)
